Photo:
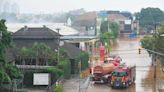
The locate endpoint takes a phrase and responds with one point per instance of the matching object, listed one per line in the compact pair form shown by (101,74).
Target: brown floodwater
(145,82)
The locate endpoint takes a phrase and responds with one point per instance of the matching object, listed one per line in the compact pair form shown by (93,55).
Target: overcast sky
(52,6)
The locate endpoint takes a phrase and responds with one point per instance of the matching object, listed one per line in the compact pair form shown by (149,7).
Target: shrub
(58,88)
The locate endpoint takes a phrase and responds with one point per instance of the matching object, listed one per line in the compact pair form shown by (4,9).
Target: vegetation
(105,39)
(8,72)
(83,59)
(58,88)
(39,52)
(43,55)
(112,27)
(155,43)
(109,32)
(149,17)
(64,63)
(22,90)
(147,42)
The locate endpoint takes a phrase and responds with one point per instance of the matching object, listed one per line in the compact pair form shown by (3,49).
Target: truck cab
(122,77)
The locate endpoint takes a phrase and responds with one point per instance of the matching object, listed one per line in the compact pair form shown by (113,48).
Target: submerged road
(128,51)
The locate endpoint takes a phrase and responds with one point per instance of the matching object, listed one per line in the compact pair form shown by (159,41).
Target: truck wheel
(112,87)
(91,79)
(127,84)
(133,80)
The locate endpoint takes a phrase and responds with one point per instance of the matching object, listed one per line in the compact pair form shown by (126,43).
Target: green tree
(105,39)
(149,17)
(104,27)
(160,42)
(42,52)
(58,88)
(8,72)
(24,54)
(83,58)
(156,42)
(64,63)
(112,27)
(147,42)
(39,52)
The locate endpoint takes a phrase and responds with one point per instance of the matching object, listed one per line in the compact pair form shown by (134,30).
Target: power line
(155,52)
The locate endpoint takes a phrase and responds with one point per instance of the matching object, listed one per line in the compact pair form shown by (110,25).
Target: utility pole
(79,73)
(58,29)
(154,55)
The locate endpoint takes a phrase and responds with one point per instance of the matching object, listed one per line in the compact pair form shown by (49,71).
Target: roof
(71,50)
(86,19)
(113,17)
(127,15)
(31,36)
(87,16)
(64,30)
(35,32)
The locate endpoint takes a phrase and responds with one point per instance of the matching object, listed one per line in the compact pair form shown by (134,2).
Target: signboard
(102,14)
(133,35)
(40,79)
(128,22)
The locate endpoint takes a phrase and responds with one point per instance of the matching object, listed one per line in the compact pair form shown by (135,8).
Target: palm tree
(43,53)
(105,40)
(23,53)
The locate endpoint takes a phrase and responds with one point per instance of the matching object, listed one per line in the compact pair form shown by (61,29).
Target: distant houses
(89,23)
(86,23)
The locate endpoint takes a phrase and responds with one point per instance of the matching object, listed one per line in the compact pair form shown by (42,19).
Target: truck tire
(127,84)
(134,80)
(112,86)
(105,81)
(91,78)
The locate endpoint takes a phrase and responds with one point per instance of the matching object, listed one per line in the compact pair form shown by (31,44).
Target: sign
(102,14)
(40,79)
(133,35)
(128,22)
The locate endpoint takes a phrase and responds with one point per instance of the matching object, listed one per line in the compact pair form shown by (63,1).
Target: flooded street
(128,51)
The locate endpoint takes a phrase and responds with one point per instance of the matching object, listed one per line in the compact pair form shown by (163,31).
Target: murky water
(145,82)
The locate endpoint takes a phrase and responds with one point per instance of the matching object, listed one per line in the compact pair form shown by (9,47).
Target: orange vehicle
(123,76)
(102,73)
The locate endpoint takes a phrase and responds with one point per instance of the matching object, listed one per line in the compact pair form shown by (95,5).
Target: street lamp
(154,56)
(58,29)
(79,74)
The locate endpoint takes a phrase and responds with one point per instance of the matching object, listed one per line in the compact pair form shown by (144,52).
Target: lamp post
(79,74)
(154,56)
(58,29)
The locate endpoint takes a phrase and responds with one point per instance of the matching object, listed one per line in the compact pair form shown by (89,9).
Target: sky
(54,6)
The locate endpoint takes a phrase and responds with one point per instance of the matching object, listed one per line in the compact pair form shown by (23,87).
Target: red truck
(123,76)
(102,73)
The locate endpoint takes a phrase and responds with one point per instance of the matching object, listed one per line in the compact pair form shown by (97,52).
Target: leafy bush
(58,88)
(66,67)
(22,90)
(83,59)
